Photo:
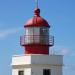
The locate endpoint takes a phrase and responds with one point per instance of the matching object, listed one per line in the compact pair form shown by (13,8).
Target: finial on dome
(37,10)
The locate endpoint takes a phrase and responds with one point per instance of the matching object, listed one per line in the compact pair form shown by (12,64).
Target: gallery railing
(37,39)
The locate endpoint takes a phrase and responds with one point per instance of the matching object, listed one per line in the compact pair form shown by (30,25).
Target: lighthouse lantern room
(36,42)
(37,39)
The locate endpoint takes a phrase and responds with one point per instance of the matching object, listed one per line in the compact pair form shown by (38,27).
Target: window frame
(46,71)
(21,72)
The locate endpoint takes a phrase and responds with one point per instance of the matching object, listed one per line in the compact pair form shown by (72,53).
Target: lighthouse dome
(37,20)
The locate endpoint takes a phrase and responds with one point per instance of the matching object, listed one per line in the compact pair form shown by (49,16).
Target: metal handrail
(37,39)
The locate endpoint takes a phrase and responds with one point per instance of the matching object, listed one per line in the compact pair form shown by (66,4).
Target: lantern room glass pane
(26,31)
(32,34)
(29,31)
(44,31)
(36,31)
(29,35)
(44,35)
(37,35)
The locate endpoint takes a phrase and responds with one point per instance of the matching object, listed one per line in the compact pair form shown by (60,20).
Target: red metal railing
(37,39)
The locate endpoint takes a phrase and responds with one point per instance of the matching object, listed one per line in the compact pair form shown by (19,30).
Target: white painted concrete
(34,64)
(21,60)
(14,71)
(27,71)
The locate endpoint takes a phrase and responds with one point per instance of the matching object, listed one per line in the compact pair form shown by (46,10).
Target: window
(32,34)
(21,72)
(36,31)
(32,31)
(44,35)
(44,31)
(29,31)
(46,72)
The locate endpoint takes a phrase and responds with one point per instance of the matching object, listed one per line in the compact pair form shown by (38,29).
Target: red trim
(36,49)
(36,21)
(36,26)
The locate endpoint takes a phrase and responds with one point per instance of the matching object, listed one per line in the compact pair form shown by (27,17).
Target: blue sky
(60,14)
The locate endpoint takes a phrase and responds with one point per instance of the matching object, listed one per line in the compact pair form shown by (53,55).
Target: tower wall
(36,49)
(27,71)
(35,64)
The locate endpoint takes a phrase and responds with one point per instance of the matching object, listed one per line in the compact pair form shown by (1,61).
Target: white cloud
(60,50)
(64,52)
(7,32)
(67,52)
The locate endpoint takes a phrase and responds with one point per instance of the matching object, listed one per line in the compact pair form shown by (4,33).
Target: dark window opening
(46,72)
(21,73)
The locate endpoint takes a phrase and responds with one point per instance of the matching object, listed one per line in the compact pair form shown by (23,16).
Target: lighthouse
(36,41)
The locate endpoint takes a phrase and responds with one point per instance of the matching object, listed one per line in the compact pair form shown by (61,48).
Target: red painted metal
(37,20)
(36,49)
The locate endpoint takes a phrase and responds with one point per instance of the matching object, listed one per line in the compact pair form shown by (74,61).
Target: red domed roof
(37,20)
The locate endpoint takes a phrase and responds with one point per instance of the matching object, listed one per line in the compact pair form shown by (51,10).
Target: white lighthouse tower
(36,42)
